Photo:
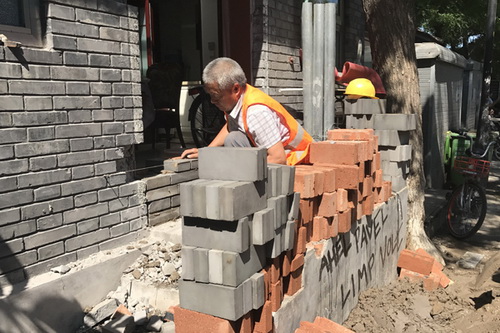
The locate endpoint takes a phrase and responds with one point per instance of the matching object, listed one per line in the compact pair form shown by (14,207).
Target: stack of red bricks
(321,325)
(342,184)
(419,266)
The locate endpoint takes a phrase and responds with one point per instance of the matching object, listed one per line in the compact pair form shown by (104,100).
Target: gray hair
(225,72)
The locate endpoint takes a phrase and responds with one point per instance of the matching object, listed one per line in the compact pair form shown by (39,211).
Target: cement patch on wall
(338,269)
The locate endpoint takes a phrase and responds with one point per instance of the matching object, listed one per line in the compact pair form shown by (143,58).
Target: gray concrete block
(274,178)
(396,154)
(398,182)
(187,254)
(177,165)
(263,226)
(215,266)
(275,247)
(275,204)
(289,236)
(239,199)
(186,197)
(237,267)
(228,163)
(392,138)
(216,300)
(288,179)
(293,204)
(201,265)
(121,324)
(359,121)
(391,168)
(365,106)
(216,234)
(395,121)
(258,290)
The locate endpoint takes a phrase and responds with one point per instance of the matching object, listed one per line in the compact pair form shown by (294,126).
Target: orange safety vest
(299,140)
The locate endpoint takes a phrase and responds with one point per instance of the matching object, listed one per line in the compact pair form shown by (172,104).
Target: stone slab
(230,163)
(216,234)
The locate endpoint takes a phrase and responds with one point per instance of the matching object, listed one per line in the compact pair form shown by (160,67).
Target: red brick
(336,152)
(349,134)
(295,281)
(345,221)
(367,187)
(297,262)
(328,205)
(376,161)
(329,181)
(275,270)
(187,321)
(368,205)
(387,189)
(120,311)
(342,200)
(437,267)
(334,226)
(376,195)
(247,323)
(267,282)
(431,282)
(378,179)
(276,295)
(348,176)
(287,259)
(308,327)
(300,241)
(304,183)
(306,211)
(330,326)
(320,228)
(411,276)
(444,281)
(263,319)
(416,262)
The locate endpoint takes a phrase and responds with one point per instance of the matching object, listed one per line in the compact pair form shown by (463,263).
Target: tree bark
(391,30)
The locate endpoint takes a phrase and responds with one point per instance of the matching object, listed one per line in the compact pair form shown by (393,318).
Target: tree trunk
(391,30)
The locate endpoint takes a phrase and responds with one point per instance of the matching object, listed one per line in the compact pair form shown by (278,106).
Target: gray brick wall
(277,38)
(64,125)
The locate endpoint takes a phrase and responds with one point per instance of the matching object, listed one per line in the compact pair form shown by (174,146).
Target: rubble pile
(127,311)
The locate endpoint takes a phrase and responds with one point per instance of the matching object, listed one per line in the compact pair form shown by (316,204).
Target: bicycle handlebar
(462,134)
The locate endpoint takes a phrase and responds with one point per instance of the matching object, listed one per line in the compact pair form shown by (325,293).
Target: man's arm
(218,141)
(276,154)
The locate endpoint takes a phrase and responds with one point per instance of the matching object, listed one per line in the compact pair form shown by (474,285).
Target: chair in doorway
(165,81)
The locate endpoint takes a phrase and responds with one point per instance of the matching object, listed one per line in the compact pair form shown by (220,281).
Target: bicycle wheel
(466,210)
(497,152)
(206,121)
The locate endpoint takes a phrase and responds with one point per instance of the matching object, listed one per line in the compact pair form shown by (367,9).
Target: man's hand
(190,153)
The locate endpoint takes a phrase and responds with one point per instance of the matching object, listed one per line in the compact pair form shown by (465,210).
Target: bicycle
(467,205)
(205,119)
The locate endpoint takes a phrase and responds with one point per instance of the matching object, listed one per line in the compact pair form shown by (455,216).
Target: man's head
(224,81)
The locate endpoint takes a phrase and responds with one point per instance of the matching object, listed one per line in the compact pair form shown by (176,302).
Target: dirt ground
(470,304)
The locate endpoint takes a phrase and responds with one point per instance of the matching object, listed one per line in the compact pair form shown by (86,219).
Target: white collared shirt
(264,125)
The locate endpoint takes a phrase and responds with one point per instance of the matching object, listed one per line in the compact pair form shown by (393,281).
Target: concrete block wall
(70,113)
(276,29)
(393,132)
(349,227)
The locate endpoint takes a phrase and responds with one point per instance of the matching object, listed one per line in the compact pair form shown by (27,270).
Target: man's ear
(236,88)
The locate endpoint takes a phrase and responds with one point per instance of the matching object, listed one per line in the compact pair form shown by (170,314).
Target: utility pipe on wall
(318,67)
(329,66)
(307,51)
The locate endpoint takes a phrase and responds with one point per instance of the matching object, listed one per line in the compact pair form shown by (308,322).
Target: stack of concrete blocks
(393,131)
(163,190)
(238,236)
(342,185)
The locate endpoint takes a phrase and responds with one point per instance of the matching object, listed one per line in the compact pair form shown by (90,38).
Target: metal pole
(307,56)
(488,55)
(329,76)
(318,63)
